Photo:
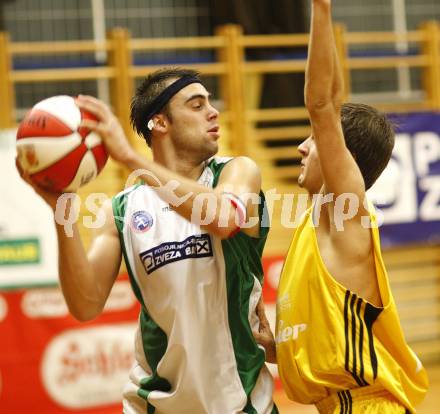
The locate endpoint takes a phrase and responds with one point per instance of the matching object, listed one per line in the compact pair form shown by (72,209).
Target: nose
(213,113)
(303,148)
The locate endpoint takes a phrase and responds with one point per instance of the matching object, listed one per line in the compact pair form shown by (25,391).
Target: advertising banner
(408,192)
(28,253)
(52,364)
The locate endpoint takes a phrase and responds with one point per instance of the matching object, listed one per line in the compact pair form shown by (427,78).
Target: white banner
(28,249)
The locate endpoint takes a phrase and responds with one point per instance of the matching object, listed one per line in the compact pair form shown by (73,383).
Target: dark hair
(369,136)
(147,91)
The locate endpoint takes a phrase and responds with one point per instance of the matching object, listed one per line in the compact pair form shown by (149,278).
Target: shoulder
(217,160)
(234,169)
(124,193)
(243,174)
(243,164)
(222,161)
(119,203)
(121,198)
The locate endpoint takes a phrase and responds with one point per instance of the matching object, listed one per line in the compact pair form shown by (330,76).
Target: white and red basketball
(54,150)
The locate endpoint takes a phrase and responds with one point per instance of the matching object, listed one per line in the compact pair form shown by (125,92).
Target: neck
(182,166)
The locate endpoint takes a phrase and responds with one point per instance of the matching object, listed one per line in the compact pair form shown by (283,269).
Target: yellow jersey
(329,339)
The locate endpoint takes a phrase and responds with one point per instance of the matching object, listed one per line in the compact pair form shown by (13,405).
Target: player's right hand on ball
(107,126)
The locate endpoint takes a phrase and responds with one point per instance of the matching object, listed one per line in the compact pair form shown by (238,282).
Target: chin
(207,153)
(213,149)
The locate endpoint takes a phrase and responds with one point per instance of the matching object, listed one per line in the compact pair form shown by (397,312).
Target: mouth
(214,131)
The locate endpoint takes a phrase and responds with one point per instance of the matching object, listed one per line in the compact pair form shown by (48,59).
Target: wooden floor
(431,404)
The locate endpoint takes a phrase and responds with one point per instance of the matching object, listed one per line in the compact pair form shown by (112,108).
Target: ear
(160,124)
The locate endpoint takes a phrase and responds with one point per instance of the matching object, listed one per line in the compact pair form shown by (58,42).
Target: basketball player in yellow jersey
(339,343)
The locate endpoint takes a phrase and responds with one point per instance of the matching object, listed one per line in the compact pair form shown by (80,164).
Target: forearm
(78,284)
(321,71)
(338,79)
(187,197)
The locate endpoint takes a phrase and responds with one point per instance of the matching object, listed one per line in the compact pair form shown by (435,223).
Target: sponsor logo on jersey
(192,247)
(289,332)
(141,221)
(284,302)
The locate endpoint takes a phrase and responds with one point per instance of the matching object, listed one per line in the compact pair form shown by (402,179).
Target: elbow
(316,101)
(83,313)
(224,222)
(323,106)
(82,318)
(226,231)
(226,227)
(317,105)
(321,101)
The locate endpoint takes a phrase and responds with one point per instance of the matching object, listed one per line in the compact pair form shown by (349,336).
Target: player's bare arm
(348,253)
(185,193)
(242,178)
(85,279)
(324,97)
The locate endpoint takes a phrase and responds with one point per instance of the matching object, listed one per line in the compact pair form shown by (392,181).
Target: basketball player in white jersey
(198,284)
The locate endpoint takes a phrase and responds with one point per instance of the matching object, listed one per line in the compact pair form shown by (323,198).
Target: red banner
(52,364)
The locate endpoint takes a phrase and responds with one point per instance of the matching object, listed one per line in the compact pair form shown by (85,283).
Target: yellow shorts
(365,400)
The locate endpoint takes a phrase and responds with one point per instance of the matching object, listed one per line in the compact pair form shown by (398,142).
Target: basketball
(54,150)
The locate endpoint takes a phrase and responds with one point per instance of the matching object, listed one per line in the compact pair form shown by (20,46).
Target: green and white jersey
(195,352)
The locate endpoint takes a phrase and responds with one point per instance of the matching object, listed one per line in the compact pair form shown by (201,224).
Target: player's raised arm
(324,98)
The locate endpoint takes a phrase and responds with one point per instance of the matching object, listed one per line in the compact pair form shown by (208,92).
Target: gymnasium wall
(41,20)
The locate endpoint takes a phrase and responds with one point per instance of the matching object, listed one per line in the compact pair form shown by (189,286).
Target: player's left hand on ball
(107,126)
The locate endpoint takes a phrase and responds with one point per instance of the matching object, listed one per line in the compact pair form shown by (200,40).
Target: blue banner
(408,192)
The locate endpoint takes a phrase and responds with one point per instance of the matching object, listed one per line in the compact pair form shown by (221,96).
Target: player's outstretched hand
(264,336)
(107,127)
(49,197)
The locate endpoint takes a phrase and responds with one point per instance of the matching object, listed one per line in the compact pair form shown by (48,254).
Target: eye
(197,105)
